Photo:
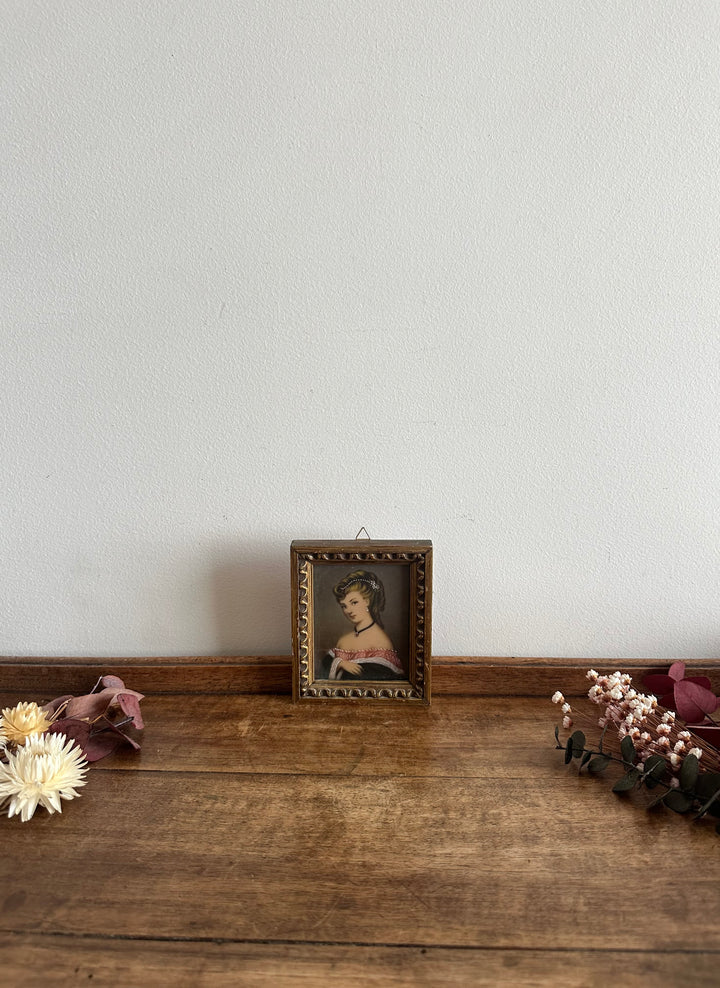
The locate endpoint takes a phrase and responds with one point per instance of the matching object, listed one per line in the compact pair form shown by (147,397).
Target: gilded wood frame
(405,564)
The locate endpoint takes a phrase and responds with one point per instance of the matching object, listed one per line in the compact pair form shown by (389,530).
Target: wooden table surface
(257,842)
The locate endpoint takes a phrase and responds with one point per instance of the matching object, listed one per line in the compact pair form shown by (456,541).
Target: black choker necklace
(360,631)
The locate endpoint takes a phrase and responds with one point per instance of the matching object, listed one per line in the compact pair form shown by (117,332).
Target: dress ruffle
(386,657)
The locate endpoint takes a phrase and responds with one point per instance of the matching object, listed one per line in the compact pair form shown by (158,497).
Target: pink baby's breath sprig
(651,744)
(653,730)
(567,721)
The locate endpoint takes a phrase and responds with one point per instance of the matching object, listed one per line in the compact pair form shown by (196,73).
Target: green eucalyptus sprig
(692,790)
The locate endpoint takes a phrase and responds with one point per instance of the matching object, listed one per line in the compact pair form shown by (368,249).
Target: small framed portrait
(362,620)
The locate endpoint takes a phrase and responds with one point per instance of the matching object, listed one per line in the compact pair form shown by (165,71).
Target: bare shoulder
(381,640)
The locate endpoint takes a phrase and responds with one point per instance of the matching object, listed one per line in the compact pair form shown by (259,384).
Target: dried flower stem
(653,730)
(655,750)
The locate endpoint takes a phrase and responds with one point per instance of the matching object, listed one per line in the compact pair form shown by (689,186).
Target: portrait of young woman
(361,619)
(365,650)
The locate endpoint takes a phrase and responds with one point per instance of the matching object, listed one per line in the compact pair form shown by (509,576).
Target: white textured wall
(277,270)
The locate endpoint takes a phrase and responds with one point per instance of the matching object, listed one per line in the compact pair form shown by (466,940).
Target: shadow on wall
(251,600)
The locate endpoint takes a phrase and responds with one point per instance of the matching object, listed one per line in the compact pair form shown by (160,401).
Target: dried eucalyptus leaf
(578,743)
(627,782)
(708,784)
(689,772)
(627,749)
(599,763)
(655,768)
(677,801)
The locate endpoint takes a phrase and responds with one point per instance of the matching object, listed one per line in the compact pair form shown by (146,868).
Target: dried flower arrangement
(45,750)
(667,745)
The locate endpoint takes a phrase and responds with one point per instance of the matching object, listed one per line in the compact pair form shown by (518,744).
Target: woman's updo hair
(366,584)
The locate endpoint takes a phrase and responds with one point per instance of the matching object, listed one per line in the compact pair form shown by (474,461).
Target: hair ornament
(367,581)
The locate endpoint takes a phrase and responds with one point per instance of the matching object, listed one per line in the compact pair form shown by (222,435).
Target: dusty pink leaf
(55,704)
(94,705)
(691,697)
(677,671)
(700,680)
(693,701)
(113,681)
(130,706)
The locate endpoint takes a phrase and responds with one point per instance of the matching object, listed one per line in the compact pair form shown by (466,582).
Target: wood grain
(426,862)
(460,737)
(256,841)
(75,959)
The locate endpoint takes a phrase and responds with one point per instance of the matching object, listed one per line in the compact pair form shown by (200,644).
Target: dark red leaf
(73,729)
(107,740)
(109,726)
(708,732)
(659,684)
(102,744)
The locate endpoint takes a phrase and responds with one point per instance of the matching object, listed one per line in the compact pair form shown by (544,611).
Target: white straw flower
(22,721)
(45,770)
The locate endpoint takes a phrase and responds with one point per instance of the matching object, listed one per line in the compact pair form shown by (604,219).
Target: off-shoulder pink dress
(376,663)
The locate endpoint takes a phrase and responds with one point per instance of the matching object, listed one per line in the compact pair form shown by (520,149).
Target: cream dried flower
(21,722)
(46,769)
